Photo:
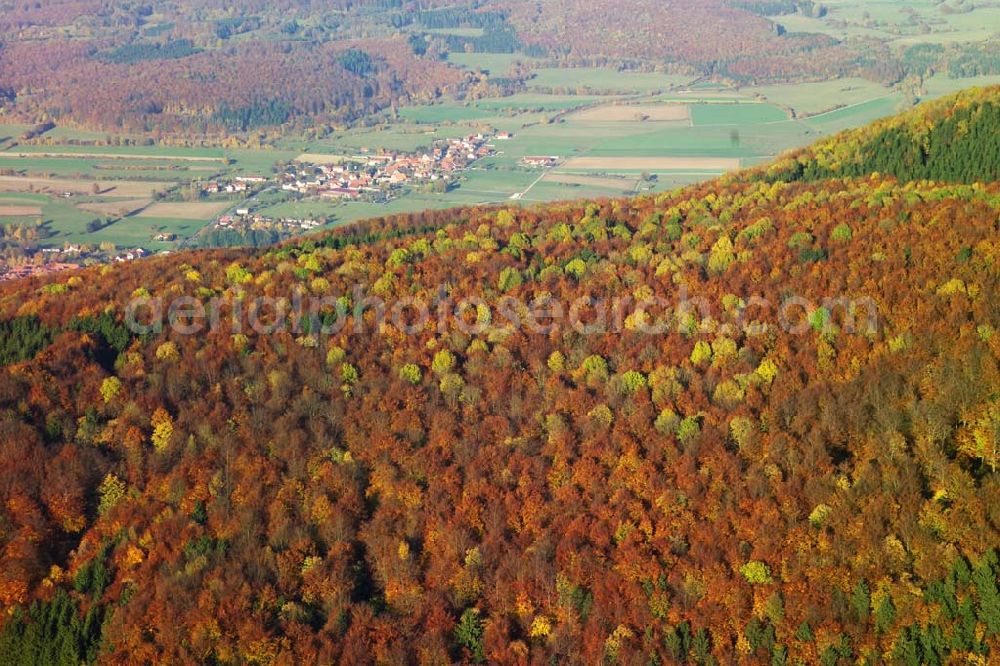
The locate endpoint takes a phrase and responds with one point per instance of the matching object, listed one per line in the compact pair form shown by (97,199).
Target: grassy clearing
(497,64)
(457,32)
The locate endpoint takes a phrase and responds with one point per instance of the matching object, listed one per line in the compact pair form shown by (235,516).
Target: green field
(138,232)
(762,131)
(12,130)
(496,111)
(599,79)
(66,223)
(443,113)
(406,137)
(158,162)
(458,32)
(536,102)
(497,64)
(258,162)
(159,152)
(66,219)
(812,98)
(63,133)
(101,169)
(941,84)
(890,20)
(856,115)
(298,209)
(736,114)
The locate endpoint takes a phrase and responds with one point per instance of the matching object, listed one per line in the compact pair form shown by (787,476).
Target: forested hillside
(207,68)
(170,88)
(955,140)
(800,467)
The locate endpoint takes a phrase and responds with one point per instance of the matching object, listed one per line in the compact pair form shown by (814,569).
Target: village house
(130,255)
(540,161)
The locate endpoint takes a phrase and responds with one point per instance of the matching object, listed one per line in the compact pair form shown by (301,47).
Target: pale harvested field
(124,207)
(625,113)
(322,158)
(20,211)
(119,156)
(120,188)
(591,181)
(654,163)
(186,211)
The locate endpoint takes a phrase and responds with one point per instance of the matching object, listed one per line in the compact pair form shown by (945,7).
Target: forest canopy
(727,490)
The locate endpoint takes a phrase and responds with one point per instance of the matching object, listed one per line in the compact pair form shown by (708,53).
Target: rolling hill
(955,140)
(197,69)
(751,421)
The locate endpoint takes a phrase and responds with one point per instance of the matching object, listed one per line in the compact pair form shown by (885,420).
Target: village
(378,176)
(244,220)
(48,261)
(238,185)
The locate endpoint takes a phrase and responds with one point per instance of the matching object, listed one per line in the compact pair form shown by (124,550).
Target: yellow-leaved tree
(163,429)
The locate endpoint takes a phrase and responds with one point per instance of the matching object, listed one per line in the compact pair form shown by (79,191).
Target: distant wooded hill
(211,67)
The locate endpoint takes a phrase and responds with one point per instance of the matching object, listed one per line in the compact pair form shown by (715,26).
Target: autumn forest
(755,483)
